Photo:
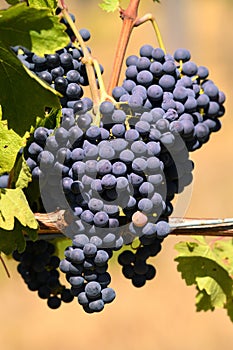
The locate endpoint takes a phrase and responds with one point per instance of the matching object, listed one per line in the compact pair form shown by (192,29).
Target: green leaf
(212,288)
(14,205)
(10,143)
(23,96)
(203,301)
(229,308)
(36,29)
(51,120)
(12,2)
(15,239)
(43,3)
(21,174)
(223,250)
(201,266)
(109,5)
(192,267)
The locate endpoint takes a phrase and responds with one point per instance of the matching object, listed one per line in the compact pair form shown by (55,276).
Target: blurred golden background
(161,315)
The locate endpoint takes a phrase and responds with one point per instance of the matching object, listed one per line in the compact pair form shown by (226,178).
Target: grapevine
(102,171)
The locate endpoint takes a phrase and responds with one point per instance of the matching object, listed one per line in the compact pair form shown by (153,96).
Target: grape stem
(130,20)
(129,17)
(87,57)
(51,225)
(5,267)
(151,18)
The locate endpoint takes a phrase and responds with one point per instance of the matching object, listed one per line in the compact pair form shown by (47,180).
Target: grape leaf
(14,205)
(36,29)
(229,307)
(109,5)
(12,2)
(201,266)
(15,239)
(203,301)
(223,250)
(21,174)
(10,143)
(51,119)
(43,3)
(22,96)
(212,288)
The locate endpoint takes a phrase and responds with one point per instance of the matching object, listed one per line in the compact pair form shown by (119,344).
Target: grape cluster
(85,266)
(118,181)
(38,267)
(115,171)
(64,70)
(110,176)
(190,102)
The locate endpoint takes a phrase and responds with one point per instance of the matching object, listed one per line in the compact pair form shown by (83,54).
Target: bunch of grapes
(190,102)
(116,178)
(38,266)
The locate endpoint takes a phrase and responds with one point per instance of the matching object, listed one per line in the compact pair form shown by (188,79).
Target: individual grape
(202,72)
(118,130)
(211,90)
(145,205)
(66,59)
(144,78)
(128,86)
(132,135)
(182,55)
(85,34)
(158,55)
(108,181)
(101,219)
(131,60)
(156,68)
(155,93)
(89,250)
(146,51)
(143,63)
(4,179)
(118,116)
(46,76)
(101,258)
(119,169)
(117,92)
(108,295)
(163,229)
(135,101)
(54,302)
(189,68)
(93,289)
(131,72)
(167,82)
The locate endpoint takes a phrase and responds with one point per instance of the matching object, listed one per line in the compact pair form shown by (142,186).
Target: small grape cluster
(38,267)
(85,266)
(190,102)
(64,70)
(135,266)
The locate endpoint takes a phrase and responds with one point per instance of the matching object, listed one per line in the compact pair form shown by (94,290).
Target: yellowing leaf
(10,143)
(14,205)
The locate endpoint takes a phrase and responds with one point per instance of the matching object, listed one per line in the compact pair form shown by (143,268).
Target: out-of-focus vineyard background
(162,314)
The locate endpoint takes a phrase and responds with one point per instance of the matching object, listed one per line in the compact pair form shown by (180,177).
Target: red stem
(5,267)
(129,17)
